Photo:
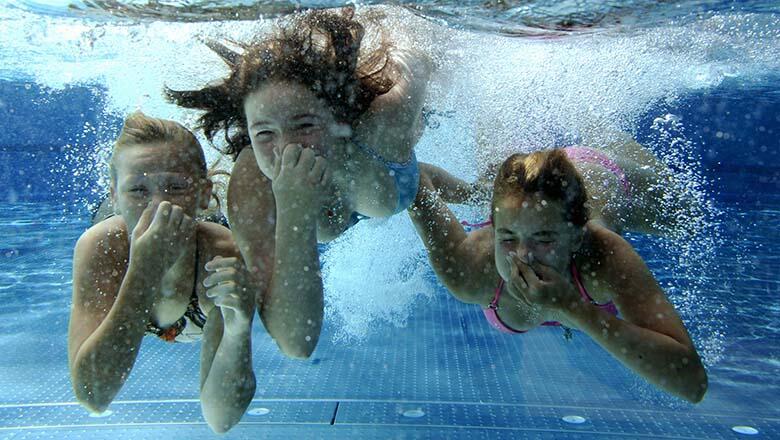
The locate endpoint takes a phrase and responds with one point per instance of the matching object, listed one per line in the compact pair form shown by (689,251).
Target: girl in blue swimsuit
(322,130)
(541,261)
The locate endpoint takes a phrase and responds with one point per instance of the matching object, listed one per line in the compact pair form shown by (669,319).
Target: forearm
(450,188)
(438,229)
(292,309)
(660,359)
(104,360)
(229,383)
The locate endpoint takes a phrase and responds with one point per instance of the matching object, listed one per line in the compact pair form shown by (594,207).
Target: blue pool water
(400,358)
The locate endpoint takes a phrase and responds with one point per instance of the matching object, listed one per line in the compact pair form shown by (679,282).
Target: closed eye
(137,191)
(264,134)
(307,127)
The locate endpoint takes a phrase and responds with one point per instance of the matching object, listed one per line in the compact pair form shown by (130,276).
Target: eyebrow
(259,123)
(304,116)
(295,118)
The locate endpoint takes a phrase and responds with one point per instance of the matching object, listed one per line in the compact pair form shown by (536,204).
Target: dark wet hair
(319,49)
(550,173)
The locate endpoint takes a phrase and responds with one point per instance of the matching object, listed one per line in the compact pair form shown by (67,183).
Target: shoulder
(479,254)
(215,240)
(615,261)
(106,239)
(100,261)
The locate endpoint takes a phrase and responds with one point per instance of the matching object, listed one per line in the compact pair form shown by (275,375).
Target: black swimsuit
(193,315)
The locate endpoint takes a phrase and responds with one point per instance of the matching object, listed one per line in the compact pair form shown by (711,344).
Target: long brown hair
(550,173)
(319,49)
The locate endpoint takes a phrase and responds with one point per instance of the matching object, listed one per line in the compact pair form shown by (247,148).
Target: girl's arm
(227,382)
(461,262)
(650,339)
(112,303)
(107,321)
(280,250)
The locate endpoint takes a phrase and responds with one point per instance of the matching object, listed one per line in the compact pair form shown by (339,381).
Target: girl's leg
(658,201)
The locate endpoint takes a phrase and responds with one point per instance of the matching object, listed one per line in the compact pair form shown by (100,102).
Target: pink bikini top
(491,311)
(594,156)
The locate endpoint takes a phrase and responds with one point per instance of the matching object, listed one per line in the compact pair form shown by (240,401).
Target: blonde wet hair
(140,129)
(549,173)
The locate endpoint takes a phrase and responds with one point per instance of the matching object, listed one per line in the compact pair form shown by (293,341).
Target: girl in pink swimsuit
(542,261)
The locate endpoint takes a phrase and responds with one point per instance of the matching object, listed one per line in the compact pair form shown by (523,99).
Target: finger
(290,155)
(514,271)
(318,170)
(228,301)
(222,276)
(528,274)
(162,215)
(219,262)
(307,159)
(327,175)
(145,220)
(228,287)
(277,162)
(545,273)
(174,220)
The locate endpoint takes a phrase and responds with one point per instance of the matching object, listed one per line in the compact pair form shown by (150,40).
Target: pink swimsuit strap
(591,155)
(491,311)
(477,225)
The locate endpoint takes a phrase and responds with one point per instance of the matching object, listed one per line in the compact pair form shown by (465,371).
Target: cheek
(264,156)
(551,254)
(502,265)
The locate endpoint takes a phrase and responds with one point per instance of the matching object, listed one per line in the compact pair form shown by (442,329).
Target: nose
(159,197)
(523,252)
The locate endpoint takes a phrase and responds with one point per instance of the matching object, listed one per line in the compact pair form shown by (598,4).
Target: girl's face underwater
(281,113)
(534,229)
(152,173)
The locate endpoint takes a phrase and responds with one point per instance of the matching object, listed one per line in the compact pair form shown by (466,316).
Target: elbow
(221,418)
(89,400)
(699,389)
(297,350)
(221,423)
(295,342)
(694,384)
(95,400)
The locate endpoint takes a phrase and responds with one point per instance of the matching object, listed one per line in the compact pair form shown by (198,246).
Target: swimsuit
(406,175)
(593,156)
(189,328)
(491,311)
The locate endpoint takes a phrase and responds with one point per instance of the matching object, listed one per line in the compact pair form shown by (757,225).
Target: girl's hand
(299,177)
(230,288)
(537,284)
(163,233)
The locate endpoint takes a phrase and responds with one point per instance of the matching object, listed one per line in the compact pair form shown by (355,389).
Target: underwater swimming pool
(399,357)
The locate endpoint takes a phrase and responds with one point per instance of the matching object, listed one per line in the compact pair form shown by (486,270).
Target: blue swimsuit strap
(378,157)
